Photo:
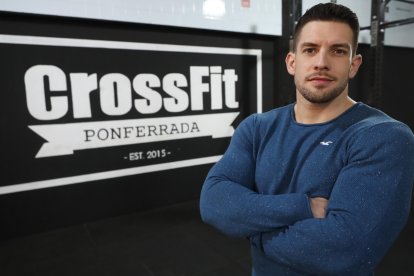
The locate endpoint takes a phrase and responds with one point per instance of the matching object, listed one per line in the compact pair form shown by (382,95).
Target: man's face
(323,61)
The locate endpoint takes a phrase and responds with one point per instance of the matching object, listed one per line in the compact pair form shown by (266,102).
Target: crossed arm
(367,209)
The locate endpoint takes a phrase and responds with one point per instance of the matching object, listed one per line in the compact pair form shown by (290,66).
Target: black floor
(170,241)
(163,242)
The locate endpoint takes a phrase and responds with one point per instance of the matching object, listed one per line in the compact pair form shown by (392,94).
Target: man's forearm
(239,211)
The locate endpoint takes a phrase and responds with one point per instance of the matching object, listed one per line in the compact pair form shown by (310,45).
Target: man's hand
(318,206)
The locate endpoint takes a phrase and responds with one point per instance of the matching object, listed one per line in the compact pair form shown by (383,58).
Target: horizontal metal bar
(392,24)
(405,1)
(397,23)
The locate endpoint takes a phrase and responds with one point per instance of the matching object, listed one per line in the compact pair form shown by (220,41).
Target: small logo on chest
(326,143)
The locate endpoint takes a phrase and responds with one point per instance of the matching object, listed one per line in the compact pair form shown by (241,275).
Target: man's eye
(340,52)
(309,50)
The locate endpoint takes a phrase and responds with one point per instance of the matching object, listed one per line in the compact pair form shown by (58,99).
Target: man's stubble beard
(317,97)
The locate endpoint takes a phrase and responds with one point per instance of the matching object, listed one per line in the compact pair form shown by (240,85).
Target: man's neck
(311,113)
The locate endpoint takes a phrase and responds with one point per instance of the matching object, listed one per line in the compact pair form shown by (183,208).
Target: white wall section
(246,16)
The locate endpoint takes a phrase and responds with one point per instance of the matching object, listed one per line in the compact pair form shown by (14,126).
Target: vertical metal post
(377,50)
(291,12)
(295,12)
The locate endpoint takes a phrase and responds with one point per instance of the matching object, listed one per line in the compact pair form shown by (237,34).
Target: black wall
(44,209)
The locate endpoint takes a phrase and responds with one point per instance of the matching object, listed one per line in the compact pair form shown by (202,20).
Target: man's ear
(290,63)
(356,62)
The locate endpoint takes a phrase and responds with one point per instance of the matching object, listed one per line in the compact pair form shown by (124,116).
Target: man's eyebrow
(336,45)
(341,45)
(308,44)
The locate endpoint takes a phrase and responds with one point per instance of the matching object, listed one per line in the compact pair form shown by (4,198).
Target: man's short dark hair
(329,12)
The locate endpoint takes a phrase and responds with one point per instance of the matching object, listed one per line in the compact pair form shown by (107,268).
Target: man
(322,186)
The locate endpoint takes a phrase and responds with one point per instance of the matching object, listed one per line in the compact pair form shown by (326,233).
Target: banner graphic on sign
(77,110)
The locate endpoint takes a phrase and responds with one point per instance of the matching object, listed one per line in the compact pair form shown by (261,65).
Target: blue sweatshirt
(362,161)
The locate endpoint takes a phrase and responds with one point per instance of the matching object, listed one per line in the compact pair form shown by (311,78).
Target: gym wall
(106,152)
(104,118)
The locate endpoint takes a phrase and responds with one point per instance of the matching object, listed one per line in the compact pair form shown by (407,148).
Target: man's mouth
(320,80)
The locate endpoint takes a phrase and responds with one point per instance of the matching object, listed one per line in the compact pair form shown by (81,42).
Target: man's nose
(321,61)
